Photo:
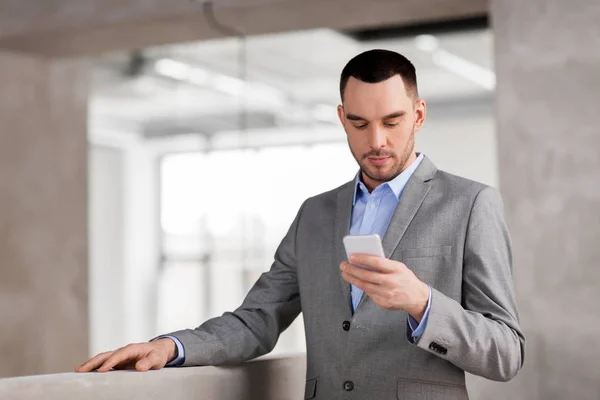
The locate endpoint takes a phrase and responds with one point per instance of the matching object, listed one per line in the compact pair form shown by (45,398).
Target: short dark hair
(374,66)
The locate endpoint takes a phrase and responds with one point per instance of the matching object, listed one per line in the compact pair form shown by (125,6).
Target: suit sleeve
(482,335)
(254,328)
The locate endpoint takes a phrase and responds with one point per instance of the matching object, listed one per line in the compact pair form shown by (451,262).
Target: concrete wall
(43,215)
(548,94)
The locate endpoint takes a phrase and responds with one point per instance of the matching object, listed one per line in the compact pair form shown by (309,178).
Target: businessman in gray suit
(440,303)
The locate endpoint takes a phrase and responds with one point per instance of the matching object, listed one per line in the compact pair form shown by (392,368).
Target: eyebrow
(354,117)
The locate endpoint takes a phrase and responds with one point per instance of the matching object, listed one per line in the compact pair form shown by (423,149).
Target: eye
(361,127)
(390,125)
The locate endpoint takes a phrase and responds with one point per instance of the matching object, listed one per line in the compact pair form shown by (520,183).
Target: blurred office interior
(206,172)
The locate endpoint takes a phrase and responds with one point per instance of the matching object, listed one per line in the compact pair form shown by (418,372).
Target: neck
(372,184)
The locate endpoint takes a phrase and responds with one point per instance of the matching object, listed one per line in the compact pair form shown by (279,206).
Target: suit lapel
(412,197)
(343,217)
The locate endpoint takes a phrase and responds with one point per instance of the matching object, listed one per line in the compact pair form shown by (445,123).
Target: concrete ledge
(264,379)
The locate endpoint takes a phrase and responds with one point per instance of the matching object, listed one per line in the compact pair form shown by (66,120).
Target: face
(380,120)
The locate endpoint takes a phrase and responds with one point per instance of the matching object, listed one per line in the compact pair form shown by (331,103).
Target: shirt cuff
(418,331)
(180,351)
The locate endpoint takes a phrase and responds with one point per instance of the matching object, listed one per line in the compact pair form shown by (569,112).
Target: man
(440,303)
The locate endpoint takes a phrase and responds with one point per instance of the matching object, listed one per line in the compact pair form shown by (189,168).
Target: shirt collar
(396,185)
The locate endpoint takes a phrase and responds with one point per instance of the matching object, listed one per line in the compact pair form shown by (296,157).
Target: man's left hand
(390,284)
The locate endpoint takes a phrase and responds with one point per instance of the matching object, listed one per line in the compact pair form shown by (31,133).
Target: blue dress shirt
(371,213)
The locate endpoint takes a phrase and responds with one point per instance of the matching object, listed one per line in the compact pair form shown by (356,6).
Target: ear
(420,114)
(341,115)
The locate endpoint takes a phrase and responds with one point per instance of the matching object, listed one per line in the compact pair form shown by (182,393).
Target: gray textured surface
(548,65)
(273,379)
(43,244)
(59,27)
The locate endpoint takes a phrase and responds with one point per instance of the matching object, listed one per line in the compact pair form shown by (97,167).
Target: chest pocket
(425,252)
(430,264)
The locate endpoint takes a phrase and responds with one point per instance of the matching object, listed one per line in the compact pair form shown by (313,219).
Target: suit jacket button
(438,348)
(348,386)
(346,325)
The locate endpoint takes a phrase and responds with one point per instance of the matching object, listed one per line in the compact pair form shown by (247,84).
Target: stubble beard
(377,173)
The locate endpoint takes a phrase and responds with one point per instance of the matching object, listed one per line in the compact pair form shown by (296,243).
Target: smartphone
(363,244)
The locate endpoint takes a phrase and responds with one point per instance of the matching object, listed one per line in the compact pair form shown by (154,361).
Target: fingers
(381,264)
(362,273)
(94,362)
(142,356)
(126,365)
(367,287)
(122,356)
(151,361)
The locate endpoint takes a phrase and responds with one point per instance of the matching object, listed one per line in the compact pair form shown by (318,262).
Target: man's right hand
(141,356)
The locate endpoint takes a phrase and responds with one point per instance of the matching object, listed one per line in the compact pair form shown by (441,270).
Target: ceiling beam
(82,27)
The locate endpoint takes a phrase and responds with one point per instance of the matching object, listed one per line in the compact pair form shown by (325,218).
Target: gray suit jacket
(448,230)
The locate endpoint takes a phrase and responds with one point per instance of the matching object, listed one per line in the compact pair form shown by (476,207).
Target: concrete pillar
(548,96)
(43,214)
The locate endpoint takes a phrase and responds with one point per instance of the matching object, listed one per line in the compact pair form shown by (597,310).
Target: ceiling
(292,80)
(59,28)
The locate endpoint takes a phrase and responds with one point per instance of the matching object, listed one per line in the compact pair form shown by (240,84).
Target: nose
(377,138)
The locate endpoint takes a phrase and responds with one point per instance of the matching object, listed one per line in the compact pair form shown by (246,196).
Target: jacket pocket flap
(416,389)
(426,252)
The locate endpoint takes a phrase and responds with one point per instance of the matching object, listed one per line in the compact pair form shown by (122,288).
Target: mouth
(378,161)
